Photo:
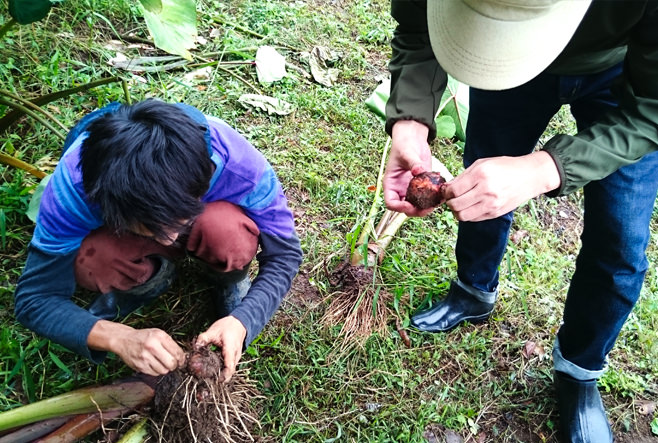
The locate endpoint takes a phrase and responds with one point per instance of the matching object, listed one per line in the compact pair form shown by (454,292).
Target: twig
(221,21)
(31,105)
(34,115)
(228,71)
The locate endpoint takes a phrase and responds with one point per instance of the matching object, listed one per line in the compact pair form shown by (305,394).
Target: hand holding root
(229,334)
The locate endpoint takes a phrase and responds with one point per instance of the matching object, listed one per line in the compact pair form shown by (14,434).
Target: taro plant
(172,23)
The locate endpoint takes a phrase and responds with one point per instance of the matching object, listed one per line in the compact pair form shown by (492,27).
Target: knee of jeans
(224,235)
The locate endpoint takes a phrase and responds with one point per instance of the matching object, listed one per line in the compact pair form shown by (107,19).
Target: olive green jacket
(611,31)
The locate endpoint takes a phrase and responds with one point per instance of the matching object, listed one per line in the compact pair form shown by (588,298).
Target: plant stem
(126,91)
(221,21)
(228,71)
(14,115)
(20,164)
(136,434)
(32,114)
(31,105)
(368,229)
(33,431)
(80,426)
(129,394)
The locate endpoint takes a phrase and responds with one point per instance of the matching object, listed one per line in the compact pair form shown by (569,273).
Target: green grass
(473,381)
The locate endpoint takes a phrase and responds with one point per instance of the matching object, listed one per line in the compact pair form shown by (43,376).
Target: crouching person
(137,188)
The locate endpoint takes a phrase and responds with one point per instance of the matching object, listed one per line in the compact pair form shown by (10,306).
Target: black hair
(146,164)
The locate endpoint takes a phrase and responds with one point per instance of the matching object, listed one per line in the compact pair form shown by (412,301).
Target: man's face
(169,236)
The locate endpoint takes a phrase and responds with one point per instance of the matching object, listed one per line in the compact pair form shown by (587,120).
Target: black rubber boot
(117,304)
(230,289)
(582,415)
(458,306)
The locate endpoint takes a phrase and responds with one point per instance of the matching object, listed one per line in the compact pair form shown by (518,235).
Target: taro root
(204,364)
(426,190)
(193,404)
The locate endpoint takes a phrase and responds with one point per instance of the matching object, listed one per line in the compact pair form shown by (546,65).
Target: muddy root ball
(204,364)
(426,190)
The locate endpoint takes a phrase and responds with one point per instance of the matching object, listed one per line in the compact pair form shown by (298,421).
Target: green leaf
(154,6)
(173,27)
(455,104)
(33,207)
(29,11)
(377,100)
(59,363)
(445,126)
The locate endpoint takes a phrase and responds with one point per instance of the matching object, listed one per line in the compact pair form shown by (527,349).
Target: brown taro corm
(426,190)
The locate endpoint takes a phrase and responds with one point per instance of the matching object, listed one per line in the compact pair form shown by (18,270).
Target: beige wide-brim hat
(500,44)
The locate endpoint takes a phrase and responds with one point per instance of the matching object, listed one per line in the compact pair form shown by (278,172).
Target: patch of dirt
(641,432)
(565,220)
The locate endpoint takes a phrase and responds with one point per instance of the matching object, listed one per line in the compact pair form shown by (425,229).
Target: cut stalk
(136,434)
(20,164)
(81,426)
(33,431)
(128,394)
(368,228)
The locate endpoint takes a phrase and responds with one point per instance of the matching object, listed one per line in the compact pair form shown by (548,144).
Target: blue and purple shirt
(242,176)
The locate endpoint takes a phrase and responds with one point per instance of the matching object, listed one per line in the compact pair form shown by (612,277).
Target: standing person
(523,60)
(136,188)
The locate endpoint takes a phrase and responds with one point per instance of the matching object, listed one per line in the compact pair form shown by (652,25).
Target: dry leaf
(519,235)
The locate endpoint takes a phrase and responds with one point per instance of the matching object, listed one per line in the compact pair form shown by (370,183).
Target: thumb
(200,341)
(417,168)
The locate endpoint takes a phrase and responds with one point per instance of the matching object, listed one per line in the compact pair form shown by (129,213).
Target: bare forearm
(107,335)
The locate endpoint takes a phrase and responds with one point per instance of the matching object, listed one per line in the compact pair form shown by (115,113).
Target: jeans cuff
(563,365)
(483,296)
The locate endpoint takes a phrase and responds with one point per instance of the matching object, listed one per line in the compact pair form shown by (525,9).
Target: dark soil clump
(193,404)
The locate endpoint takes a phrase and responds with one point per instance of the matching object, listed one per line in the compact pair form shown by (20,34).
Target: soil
(194,404)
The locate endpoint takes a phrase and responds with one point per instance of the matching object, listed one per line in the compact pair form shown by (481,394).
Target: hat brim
(488,53)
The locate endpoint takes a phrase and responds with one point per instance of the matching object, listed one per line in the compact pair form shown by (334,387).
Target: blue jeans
(611,264)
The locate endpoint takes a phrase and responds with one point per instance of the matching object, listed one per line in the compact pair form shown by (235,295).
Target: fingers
(231,357)
(150,351)
(176,352)
(228,333)
(201,340)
